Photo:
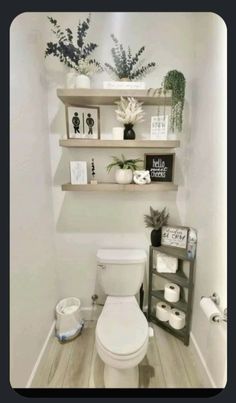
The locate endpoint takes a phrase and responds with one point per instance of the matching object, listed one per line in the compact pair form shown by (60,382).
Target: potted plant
(127,66)
(76,57)
(129,112)
(175,81)
(125,168)
(156,220)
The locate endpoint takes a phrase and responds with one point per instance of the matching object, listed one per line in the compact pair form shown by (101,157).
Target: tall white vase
(70,79)
(82,81)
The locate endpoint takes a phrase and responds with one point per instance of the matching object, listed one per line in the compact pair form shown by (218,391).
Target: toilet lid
(122,327)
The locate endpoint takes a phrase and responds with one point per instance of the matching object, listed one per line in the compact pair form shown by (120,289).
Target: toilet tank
(121,271)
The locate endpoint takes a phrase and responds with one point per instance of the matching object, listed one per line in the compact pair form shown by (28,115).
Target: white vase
(124,176)
(70,79)
(82,81)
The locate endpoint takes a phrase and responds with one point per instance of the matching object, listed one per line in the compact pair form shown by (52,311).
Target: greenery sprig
(127,65)
(175,81)
(156,219)
(75,57)
(124,164)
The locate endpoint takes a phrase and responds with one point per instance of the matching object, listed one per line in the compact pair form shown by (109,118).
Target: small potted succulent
(125,168)
(129,112)
(156,220)
(127,66)
(74,53)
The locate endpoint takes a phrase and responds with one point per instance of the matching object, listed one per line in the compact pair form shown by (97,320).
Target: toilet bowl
(122,335)
(122,330)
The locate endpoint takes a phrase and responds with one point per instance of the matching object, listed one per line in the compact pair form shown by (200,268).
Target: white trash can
(69,322)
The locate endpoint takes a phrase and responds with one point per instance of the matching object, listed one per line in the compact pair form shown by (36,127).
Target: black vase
(156,237)
(129,133)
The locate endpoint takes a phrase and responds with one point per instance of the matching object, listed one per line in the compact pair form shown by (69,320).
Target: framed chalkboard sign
(160,166)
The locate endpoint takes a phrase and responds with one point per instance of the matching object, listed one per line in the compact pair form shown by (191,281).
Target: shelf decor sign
(160,166)
(174,236)
(82,122)
(159,127)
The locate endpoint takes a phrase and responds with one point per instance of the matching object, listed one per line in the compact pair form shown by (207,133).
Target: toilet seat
(122,329)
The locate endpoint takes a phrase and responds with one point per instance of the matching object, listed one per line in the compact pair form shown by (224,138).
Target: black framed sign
(160,166)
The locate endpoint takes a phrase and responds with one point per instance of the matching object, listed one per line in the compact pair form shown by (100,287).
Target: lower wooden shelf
(132,187)
(181,334)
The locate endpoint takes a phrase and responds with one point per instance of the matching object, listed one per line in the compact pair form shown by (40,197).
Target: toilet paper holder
(216,299)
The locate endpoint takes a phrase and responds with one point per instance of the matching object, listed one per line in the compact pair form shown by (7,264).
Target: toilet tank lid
(121,256)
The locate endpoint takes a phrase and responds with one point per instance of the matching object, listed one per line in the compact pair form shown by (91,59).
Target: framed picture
(83,122)
(159,127)
(78,172)
(160,167)
(174,236)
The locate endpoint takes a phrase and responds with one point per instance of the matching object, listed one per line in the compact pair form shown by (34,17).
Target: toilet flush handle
(101,266)
(151,332)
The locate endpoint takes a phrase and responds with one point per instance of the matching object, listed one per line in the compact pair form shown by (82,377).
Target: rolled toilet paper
(172,292)
(209,308)
(162,311)
(177,319)
(117,133)
(165,263)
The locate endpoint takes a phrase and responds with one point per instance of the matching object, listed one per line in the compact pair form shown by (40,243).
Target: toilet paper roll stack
(177,319)
(163,311)
(172,292)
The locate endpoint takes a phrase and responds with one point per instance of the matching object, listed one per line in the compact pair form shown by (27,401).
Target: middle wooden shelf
(84,143)
(105,186)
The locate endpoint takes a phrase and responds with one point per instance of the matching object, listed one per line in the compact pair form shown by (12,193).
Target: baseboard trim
(28,385)
(203,362)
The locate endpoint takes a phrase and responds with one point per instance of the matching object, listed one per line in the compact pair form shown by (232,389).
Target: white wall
(206,184)
(33,284)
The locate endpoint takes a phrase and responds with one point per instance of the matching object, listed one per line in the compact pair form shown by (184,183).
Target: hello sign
(160,167)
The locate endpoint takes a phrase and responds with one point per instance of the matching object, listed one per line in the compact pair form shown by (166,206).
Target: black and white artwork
(78,172)
(160,166)
(82,122)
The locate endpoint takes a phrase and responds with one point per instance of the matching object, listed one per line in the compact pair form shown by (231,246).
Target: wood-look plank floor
(76,364)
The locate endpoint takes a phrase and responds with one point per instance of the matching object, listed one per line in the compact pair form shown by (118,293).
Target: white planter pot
(82,81)
(70,80)
(124,176)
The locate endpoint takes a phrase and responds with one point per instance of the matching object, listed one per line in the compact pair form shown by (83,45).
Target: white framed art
(159,127)
(83,122)
(78,172)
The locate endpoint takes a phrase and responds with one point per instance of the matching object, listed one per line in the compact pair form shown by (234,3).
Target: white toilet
(122,330)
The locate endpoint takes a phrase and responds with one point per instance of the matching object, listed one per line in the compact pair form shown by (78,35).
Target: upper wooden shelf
(82,97)
(80,143)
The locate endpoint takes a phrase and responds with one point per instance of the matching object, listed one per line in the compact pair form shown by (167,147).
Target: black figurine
(93,181)
(76,122)
(90,123)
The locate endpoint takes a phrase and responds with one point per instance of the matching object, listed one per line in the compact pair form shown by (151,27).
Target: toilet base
(121,378)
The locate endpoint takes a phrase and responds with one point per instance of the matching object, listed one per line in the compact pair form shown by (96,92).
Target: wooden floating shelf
(81,143)
(82,97)
(115,186)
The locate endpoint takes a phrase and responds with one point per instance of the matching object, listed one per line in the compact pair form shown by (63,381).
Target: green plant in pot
(175,81)
(124,168)
(127,66)
(156,220)
(72,50)
(129,112)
